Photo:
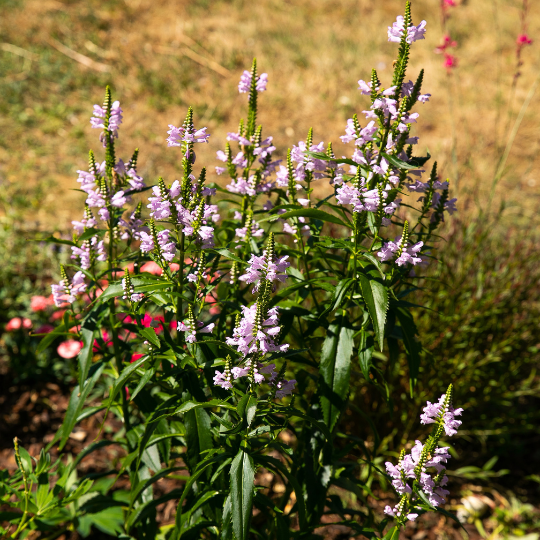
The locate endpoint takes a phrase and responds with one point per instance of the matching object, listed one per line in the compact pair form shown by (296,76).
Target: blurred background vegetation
(481,330)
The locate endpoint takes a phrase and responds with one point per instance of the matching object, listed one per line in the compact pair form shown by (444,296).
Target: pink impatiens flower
(69,349)
(17,323)
(40,303)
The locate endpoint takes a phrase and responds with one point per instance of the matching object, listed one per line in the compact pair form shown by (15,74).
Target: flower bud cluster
(66,291)
(244,86)
(129,290)
(182,134)
(412,472)
(414,33)
(107,119)
(305,164)
(258,328)
(159,242)
(189,210)
(193,327)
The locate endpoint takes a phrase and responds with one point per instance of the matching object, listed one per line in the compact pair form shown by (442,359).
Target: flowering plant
(226,331)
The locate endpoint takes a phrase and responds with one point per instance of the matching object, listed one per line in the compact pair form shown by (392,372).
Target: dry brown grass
(314,52)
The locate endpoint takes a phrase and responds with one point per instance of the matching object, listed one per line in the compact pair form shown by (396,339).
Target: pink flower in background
(39,303)
(146,320)
(448,3)
(57,315)
(106,342)
(135,357)
(153,268)
(13,324)
(17,323)
(69,349)
(450,61)
(523,39)
(447,42)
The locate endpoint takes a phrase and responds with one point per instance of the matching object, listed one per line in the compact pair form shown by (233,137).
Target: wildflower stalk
(27,489)
(110,162)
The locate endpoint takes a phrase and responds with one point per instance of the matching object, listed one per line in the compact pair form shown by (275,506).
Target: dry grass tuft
(164,55)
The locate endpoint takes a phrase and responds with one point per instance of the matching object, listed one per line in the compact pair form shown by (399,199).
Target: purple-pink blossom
(115,119)
(191,331)
(261,268)
(408,255)
(182,135)
(244,85)
(250,338)
(414,33)
(435,413)
(65,293)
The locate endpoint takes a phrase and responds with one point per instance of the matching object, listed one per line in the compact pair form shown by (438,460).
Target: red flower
(106,342)
(450,61)
(523,39)
(447,42)
(135,357)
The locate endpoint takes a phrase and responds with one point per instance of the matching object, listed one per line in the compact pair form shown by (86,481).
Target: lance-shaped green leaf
(86,353)
(335,370)
(392,534)
(51,336)
(412,345)
(399,163)
(207,462)
(200,500)
(54,240)
(228,254)
(339,296)
(198,434)
(365,353)
(141,284)
(376,298)
(76,402)
(420,161)
(226,520)
(313,213)
(150,335)
(242,479)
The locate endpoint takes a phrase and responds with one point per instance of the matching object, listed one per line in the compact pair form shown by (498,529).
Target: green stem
(114,333)
(22,524)
(180,288)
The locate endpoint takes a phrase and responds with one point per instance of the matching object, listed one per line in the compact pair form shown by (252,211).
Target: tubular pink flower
(244,85)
